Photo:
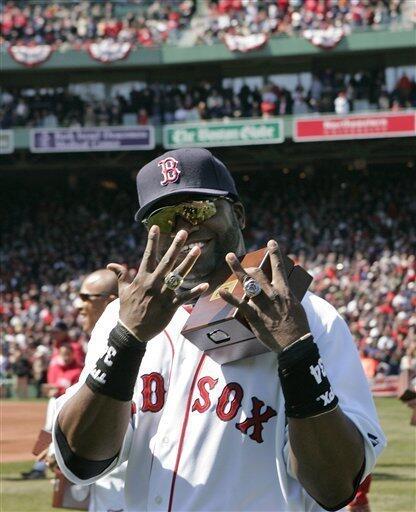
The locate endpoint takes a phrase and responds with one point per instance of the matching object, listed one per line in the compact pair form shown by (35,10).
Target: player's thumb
(119,270)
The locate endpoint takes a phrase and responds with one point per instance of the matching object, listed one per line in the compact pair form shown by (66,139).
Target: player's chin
(86,325)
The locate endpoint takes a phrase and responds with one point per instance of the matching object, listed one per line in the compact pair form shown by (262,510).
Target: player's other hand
(275,316)
(146,304)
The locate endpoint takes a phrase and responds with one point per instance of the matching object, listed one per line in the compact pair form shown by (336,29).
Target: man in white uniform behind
(97,291)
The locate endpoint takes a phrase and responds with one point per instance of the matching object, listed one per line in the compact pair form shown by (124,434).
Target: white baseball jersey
(209,437)
(107,494)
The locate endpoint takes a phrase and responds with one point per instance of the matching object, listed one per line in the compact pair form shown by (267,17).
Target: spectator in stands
(4,373)
(341,104)
(22,370)
(269,101)
(40,361)
(300,106)
(4,363)
(22,112)
(403,87)
(284,103)
(369,364)
(215,103)
(60,337)
(383,102)
(63,372)
(142,117)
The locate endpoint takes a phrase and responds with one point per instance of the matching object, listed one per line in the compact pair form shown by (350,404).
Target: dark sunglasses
(88,296)
(194,212)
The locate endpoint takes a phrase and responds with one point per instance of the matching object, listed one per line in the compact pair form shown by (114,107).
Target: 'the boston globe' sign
(231,133)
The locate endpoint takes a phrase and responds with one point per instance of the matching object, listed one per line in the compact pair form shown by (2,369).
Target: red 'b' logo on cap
(170,171)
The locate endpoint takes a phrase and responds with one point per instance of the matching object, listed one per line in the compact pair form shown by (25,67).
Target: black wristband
(305,385)
(116,372)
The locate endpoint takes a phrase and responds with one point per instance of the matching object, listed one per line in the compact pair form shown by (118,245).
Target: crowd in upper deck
(329,91)
(151,23)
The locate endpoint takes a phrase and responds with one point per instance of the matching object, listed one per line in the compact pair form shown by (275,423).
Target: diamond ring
(251,287)
(173,280)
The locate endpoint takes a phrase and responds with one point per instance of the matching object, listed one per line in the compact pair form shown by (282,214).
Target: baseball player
(97,291)
(292,429)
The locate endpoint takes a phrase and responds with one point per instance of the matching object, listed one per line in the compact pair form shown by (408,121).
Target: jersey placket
(171,433)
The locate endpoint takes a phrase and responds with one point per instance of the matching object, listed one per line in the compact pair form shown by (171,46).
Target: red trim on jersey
(165,332)
(184,425)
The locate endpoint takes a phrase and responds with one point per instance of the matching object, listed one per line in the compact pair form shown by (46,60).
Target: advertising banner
(355,126)
(111,138)
(6,142)
(232,133)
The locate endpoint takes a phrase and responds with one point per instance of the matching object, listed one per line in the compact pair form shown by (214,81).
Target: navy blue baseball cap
(182,171)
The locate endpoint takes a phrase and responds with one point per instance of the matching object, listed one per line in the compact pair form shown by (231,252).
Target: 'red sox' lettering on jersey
(256,421)
(228,404)
(205,404)
(153,392)
(229,401)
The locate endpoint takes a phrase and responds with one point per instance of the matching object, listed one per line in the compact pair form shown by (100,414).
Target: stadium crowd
(353,231)
(156,103)
(149,23)
(71,24)
(291,17)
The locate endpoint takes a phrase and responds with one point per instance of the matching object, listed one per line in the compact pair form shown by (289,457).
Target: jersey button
(158,500)
(165,440)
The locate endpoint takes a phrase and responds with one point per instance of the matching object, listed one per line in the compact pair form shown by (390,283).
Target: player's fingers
(188,296)
(230,298)
(148,262)
(241,305)
(279,277)
(186,266)
(119,270)
(235,266)
(168,260)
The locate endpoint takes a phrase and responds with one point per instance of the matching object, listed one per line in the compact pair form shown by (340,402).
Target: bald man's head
(101,281)
(97,290)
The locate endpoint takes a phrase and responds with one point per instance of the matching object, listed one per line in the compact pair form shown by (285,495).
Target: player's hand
(146,304)
(275,316)
(42,455)
(51,462)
